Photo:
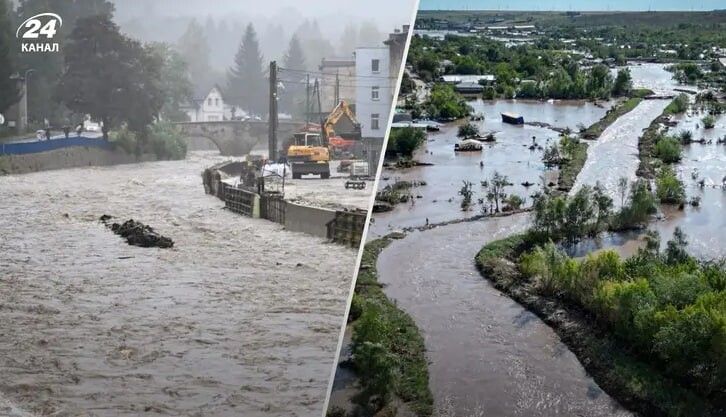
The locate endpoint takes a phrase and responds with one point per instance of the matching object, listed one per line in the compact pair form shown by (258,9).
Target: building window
(212,118)
(374,93)
(376,65)
(374,121)
(209,101)
(216,102)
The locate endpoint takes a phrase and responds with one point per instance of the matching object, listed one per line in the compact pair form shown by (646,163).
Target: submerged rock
(137,233)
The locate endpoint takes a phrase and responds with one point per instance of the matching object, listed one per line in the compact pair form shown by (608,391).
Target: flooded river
(489,356)
(615,153)
(237,319)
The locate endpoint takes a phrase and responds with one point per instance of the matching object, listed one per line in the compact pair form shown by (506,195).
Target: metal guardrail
(24,148)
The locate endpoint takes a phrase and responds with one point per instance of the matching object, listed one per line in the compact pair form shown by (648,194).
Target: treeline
(527,71)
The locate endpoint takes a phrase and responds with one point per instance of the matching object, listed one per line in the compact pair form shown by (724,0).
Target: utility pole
(272,117)
(337,88)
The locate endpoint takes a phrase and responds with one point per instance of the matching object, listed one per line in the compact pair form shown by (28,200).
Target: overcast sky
(583,5)
(387,14)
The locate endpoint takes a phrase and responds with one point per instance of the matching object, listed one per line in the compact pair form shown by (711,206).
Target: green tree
(445,103)
(405,140)
(669,189)
(47,68)
(175,85)
(110,77)
(623,83)
(9,92)
(246,84)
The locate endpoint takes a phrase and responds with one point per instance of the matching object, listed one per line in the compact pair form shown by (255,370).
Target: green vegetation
(594,131)
(678,105)
(528,71)
(709,122)
(667,149)
(569,154)
(651,329)
(669,189)
(388,350)
(468,130)
(163,139)
(446,104)
(404,141)
(667,306)
(586,213)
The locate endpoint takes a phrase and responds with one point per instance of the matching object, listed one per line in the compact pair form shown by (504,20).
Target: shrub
(166,141)
(669,189)
(709,122)
(668,149)
(405,140)
(468,130)
(678,105)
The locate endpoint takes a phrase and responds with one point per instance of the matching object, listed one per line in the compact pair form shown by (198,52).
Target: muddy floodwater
(615,153)
(488,355)
(509,155)
(239,318)
(704,225)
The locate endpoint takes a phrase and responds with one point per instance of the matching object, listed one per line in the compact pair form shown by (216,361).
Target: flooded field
(705,225)
(489,356)
(510,155)
(237,319)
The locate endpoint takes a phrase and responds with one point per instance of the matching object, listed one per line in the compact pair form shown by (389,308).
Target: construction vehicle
(340,145)
(307,154)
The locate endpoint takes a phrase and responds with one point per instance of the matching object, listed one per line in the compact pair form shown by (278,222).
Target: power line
(332,74)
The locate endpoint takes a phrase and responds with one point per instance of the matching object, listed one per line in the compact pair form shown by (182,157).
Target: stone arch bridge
(238,137)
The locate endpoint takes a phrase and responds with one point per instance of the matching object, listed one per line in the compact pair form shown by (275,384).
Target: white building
(374,90)
(210,108)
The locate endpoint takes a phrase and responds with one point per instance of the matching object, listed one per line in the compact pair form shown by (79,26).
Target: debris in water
(137,233)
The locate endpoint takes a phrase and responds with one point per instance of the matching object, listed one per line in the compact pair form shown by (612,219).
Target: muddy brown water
(239,318)
(488,355)
(705,226)
(509,155)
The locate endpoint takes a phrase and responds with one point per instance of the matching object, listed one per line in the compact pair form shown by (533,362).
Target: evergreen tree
(194,49)
(8,88)
(246,85)
(294,58)
(293,95)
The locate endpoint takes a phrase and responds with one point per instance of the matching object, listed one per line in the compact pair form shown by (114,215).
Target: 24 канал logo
(36,33)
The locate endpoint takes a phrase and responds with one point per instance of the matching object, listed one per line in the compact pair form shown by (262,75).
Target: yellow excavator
(308,154)
(338,144)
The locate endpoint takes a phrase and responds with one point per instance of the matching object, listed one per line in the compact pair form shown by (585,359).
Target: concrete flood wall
(340,226)
(306,219)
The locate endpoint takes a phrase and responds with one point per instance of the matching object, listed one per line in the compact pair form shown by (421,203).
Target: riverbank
(388,352)
(634,383)
(74,157)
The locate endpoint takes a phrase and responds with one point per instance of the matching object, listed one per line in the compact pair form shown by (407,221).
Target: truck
(308,155)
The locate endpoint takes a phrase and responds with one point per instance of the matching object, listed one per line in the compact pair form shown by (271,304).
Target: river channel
(237,319)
